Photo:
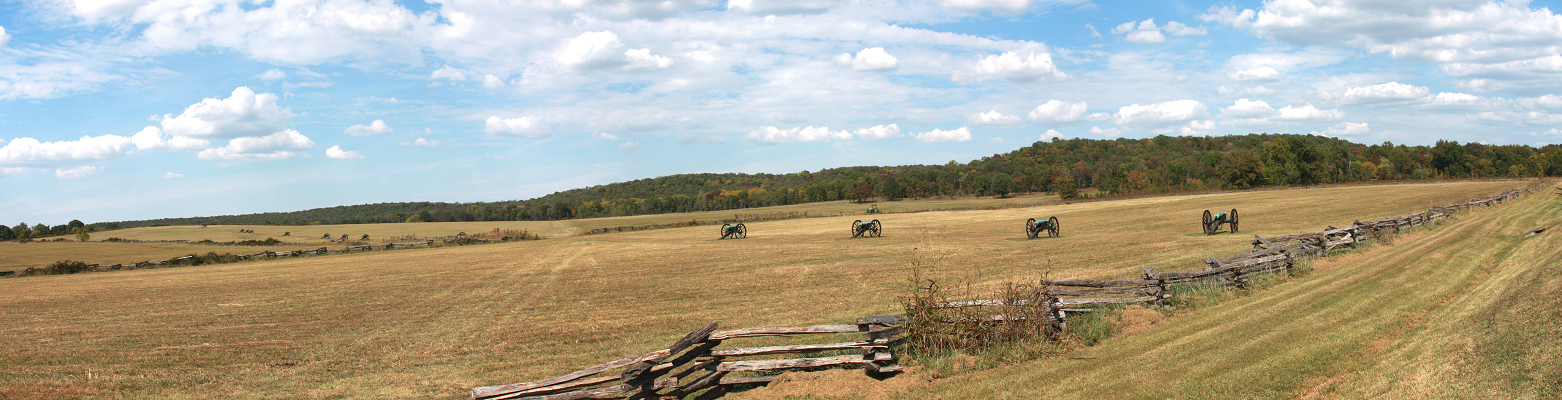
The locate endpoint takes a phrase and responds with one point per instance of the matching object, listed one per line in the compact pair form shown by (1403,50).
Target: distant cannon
(734,231)
(365,237)
(1213,222)
(1034,228)
(287,233)
(327,236)
(866,229)
(344,237)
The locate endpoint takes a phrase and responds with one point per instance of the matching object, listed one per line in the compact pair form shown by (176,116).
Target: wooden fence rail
(695,363)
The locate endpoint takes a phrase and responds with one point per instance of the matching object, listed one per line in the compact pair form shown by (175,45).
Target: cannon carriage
(1212,222)
(1034,228)
(866,229)
(734,231)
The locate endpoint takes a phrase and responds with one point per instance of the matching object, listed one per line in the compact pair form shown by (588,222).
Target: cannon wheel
(724,230)
(1207,220)
(877,229)
(1233,220)
(1030,228)
(742,231)
(1053,231)
(855,232)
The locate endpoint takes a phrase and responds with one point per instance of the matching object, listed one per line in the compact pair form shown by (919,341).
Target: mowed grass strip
(435,322)
(1454,311)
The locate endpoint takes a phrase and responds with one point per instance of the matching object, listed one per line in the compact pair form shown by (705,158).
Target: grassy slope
(435,322)
(1463,310)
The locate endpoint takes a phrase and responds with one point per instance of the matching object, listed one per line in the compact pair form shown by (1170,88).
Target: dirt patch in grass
(835,384)
(1138,319)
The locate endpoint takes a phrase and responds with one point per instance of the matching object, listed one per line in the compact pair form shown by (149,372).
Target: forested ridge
(1116,166)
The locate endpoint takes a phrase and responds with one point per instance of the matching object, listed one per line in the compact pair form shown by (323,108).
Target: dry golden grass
(436,322)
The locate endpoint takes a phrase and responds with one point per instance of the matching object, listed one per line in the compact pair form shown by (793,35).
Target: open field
(436,322)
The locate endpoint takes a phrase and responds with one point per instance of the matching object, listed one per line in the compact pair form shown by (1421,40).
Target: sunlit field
(423,323)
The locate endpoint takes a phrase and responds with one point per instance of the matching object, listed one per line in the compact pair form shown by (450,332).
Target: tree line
(1112,167)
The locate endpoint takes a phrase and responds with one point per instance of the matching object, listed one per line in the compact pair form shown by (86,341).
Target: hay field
(436,322)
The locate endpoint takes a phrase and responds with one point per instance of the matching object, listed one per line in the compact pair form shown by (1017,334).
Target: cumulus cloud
(593,51)
(1252,91)
(151,137)
(605,136)
(1109,133)
(376,128)
(869,59)
(771,135)
(1051,134)
(1159,115)
(171,175)
(421,142)
(276,146)
(5,38)
(1460,101)
(1260,74)
(939,135)
(1015,66)
(1346,129)
(492,82)
(448,73)
(1059,113)
(780,7)
(29,152)
(243,114)
(527,127)
(997,6)
(336,152)
(1384,93)
(1308,113)
(879,132)
(1244,108)
(1147,32)
(78,172)
(994,119)
(629,146)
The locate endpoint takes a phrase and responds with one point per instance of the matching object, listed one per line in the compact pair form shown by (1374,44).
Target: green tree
(81,234)
(1448,157)
(890,188)
(1065,186)
(6,233)
(861,191)
(1002,184)
(1243,169)
(415,218)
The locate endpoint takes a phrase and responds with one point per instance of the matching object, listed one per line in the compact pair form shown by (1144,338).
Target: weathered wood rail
(694,365)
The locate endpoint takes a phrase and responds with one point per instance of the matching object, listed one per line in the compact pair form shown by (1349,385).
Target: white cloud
(378,127)
(869,59)
(1383,93)
(1161,114)
(244,113)
(78,172)
(1550,101)
(1252,91)
(780,7)
(336,152)
(1093,32)
(1346,129)
(272,75)
(771,135)
(275,146)
(1308,113)
(1109,133)
(605,136)
(601,50)
(151,137)
(996,139)
(29,152)
(527,127)
(994,119)
(998,6)
(1244,108)
(1261,74)
(879,132)
(448,73)
(1059,113)
(421,142)
(1179,29)
(492,82)
(1014,66)
(939,135)
(1050,134)
(1147,32)
(629,146)
(1196,128)
(171,175)
(1461,101)
(5,38)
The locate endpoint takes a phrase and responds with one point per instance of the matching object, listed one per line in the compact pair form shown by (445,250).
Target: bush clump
(63,267)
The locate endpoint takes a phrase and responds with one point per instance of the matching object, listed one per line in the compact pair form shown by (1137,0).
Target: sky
(115,110)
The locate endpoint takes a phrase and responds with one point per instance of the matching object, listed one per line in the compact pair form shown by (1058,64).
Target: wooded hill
(1118,166)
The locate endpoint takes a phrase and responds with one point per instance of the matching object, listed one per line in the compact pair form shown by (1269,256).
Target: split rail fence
(697,366)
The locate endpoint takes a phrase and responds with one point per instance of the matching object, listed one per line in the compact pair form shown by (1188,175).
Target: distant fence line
(660,375)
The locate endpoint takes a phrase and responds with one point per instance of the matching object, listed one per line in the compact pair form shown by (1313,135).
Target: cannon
(1034,228)
(734,231)
(1213,222)
(327,236)
(866,229)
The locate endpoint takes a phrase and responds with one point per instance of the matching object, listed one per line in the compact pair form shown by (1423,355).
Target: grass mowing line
(1274,343)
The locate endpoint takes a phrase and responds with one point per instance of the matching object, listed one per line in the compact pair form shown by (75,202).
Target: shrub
(63,267)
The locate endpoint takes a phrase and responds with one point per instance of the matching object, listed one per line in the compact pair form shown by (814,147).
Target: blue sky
(135,109)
